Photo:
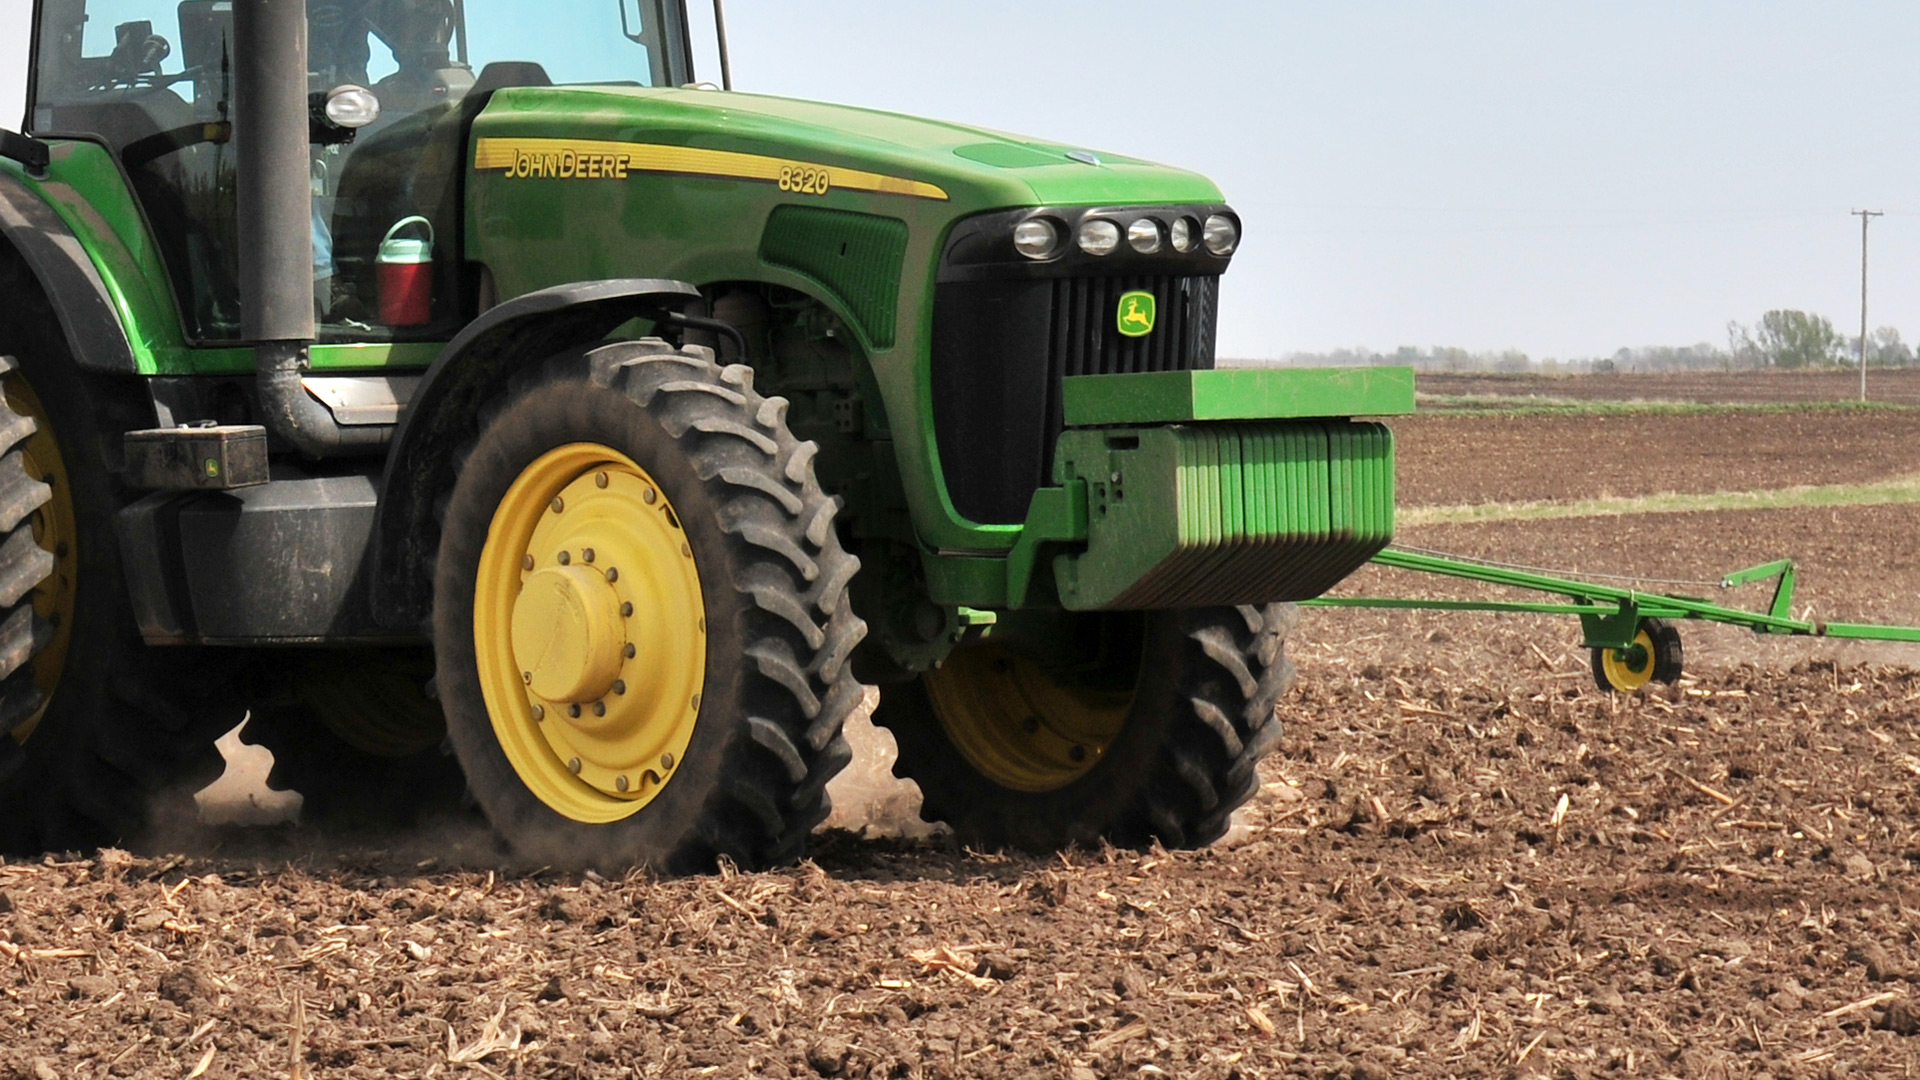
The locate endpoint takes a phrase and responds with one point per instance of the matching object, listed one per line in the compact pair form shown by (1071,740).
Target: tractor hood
(972,167)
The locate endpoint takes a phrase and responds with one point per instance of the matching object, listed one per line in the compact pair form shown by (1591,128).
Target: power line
(1865,216)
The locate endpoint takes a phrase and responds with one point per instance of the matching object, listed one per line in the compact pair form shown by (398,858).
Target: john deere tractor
(477,403)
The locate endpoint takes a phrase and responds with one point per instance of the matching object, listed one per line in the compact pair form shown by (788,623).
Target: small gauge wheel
(1654,656)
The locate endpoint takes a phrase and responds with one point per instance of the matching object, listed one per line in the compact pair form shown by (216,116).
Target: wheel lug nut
(526,562)
(559,504)
(527,677)
(573,711)
(539,713)
(600,479)
(620,782)
(613,574)
(650,495)
(565,558)
(599,708)
(626,610)
(619,686)
(573,766)
(586,555)
(1078,753)
(696,703)
(666,761)
(631,651)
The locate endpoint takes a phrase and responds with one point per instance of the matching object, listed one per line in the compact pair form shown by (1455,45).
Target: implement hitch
(1630,631)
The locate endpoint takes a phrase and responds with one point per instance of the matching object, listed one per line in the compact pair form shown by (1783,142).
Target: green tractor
(482,407)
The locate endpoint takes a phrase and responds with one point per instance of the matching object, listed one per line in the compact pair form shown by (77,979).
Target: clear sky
(1563,178)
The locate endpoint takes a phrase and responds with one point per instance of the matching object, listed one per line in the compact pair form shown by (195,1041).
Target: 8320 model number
(804,180)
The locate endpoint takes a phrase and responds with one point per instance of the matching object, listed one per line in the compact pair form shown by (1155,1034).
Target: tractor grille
(1086,340)
(1000,349)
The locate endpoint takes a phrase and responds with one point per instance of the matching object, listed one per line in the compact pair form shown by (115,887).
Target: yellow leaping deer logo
(1136,314)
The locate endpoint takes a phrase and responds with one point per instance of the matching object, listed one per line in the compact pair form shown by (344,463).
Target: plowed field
(1464,861)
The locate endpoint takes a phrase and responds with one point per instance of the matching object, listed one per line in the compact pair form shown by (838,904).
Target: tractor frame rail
(1612,617)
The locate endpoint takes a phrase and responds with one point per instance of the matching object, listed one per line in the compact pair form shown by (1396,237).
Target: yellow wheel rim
(54,529)
(1631,668)
(1018,726)
(590,630)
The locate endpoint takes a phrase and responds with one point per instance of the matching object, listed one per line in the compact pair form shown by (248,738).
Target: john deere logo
(1136,314)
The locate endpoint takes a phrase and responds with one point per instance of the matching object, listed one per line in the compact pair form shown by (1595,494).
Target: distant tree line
(1783,338)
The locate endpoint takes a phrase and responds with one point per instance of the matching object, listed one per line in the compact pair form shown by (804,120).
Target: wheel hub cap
(568,635)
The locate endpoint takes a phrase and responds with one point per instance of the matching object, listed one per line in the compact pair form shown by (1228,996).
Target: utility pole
(1865,216)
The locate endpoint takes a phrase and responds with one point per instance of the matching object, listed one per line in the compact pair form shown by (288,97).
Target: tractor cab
(395,85)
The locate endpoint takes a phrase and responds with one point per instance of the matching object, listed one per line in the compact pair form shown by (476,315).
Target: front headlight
(1182,234)
(1098,236)
(1221,235)
(1036,238)
(352,107)
(1144,236)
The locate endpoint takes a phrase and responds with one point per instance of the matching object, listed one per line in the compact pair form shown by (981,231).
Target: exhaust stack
(272,147)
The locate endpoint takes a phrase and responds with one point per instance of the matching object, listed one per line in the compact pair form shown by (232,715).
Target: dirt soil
(1450,459)
(1894,385)
(1464,861)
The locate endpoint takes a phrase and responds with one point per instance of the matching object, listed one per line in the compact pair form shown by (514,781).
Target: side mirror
(26,150)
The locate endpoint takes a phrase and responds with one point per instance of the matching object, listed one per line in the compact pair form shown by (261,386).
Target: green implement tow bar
(1611,617)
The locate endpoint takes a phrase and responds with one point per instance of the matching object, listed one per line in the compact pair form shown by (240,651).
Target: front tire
(1009,756)
(640,617)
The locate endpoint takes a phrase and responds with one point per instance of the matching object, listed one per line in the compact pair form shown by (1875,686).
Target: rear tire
(739,497)
(1201,716)
(101,736)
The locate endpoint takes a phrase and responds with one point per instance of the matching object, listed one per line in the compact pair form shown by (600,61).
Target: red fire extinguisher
(406,275)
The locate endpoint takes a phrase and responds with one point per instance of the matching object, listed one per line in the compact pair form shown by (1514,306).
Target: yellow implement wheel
(589,621)
(54,531)
(1630,668)
(1022,728)
(1654,656)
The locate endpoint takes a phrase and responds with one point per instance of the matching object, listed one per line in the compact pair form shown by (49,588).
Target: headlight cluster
(1042,238)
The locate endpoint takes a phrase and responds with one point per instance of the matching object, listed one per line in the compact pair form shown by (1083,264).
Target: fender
(55,256)
(443,416)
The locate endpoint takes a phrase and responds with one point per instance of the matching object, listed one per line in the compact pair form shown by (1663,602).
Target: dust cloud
(868,799)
